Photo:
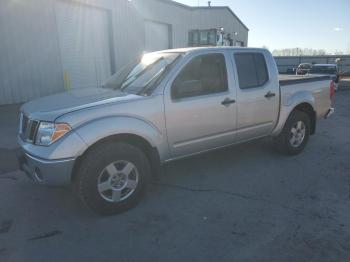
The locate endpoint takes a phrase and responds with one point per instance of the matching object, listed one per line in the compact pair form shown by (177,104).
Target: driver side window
(203,75)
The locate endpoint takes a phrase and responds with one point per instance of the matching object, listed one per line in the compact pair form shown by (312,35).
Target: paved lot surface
(9,119)
(245,203)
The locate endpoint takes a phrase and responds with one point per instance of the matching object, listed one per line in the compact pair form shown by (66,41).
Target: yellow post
(69,83)
(66,81)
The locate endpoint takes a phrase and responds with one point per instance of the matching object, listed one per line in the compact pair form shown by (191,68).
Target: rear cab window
(251,69)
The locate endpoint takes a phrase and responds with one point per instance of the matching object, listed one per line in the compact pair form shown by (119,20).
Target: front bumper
(329,113)
(46,172)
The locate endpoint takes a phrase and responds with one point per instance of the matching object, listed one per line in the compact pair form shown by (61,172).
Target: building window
(202,37)
(239,43)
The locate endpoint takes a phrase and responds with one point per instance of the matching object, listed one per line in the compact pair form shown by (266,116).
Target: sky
(278,24)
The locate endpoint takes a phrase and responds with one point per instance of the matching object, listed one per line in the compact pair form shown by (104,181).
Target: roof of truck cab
(324,65)
(210,48)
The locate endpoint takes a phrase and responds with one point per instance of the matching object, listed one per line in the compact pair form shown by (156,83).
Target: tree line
(302,52)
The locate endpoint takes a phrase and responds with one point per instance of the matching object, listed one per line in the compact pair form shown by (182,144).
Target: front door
(200,106)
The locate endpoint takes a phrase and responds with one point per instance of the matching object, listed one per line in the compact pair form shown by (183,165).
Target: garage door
(156,36)
(84,44)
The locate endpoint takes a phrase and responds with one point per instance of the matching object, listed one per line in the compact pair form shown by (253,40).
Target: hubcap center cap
(118,181)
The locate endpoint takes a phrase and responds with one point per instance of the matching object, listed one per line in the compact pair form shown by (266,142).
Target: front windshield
(134,77)
(326,70)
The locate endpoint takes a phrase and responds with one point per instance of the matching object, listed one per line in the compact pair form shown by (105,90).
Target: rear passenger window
(205,74)
(251,69)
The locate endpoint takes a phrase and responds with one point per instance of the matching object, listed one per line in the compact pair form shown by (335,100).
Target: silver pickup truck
(171,104)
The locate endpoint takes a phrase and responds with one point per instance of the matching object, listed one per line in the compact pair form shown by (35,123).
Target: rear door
(200,107)
(257,95)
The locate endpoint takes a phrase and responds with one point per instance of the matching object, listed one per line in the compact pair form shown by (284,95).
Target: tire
(284,142)
(112,177)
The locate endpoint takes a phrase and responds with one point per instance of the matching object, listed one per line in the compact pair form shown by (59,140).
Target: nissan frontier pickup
(108,142)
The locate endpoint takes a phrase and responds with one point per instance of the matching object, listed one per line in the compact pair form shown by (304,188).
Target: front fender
(288,103)
(69,146)
(95,130)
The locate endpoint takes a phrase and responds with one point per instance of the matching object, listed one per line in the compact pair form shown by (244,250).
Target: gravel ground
(245,203)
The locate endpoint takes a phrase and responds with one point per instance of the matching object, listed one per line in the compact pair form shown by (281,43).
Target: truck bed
(297,79)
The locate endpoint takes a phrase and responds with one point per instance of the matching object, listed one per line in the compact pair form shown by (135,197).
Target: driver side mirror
(186,89)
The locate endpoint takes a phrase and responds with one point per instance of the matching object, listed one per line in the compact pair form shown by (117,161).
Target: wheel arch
(145,146)
(305,105)
(303,101)
(309,110)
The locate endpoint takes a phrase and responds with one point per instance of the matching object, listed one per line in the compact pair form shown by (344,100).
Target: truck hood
(50,107)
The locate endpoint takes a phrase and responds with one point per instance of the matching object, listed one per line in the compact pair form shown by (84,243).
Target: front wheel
(295,134)
(112,177)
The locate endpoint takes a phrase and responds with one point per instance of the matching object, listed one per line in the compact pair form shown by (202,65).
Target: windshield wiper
(149,87)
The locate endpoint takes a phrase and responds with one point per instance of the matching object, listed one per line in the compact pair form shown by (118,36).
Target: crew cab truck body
(169,105)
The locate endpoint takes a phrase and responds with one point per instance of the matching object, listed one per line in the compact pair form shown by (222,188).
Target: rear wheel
(295,134)
(112,177)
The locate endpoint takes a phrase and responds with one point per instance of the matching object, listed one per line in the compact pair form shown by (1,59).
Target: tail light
(332,90)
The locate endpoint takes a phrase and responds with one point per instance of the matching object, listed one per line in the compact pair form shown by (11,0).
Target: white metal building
(47,46)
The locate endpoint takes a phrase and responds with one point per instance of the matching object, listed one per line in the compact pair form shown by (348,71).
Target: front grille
(25,121)
(33,128)
(28,128)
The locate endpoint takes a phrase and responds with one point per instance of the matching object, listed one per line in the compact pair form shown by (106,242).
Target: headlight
(49,132)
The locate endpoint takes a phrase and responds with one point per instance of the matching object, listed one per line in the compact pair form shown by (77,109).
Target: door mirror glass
(187,88)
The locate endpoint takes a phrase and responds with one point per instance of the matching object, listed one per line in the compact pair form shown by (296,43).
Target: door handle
(270,94)
(228,101)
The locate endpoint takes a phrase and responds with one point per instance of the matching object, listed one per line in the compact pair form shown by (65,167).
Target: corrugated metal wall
(84,39)
(31,66)
(29,53)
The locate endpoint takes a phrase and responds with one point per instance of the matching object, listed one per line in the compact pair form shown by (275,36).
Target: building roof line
(205,7)
(222,7)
